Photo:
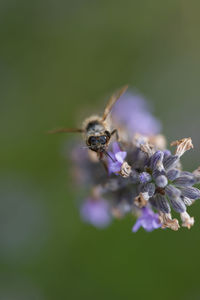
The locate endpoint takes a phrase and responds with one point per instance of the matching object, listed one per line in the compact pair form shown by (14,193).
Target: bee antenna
(108,155)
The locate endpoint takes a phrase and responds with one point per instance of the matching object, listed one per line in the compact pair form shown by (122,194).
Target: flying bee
(97,131)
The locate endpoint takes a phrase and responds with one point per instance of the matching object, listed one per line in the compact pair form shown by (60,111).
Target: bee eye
(92,140)
(103,139)
(107,133)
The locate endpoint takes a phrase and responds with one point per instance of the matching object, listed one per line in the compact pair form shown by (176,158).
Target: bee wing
(77,130)
(112,101)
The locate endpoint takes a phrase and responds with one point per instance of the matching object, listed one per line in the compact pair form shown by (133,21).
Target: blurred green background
(60,59)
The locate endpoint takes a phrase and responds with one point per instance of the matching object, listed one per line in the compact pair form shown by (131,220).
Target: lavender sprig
(142,178)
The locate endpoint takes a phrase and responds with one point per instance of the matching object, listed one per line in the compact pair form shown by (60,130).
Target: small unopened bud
(178,205)
(156,160)
(173,174)
(185,180)
(170,162)
(144,177)
(150,188)
(162,203)
(172,192)
(161,181)
(190,192)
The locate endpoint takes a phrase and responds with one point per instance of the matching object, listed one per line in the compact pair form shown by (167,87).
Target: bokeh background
(59,60)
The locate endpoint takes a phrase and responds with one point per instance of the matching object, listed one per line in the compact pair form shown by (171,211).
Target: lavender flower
(132,112)
(151,177)
(96,212)
(148,220)
(116,160)
(155,180)
(171,185)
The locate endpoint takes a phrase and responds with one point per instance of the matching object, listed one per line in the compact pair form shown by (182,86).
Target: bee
(97,131)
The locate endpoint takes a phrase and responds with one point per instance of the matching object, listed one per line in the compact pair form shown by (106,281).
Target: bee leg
(116,134)
(100,155)
(105,165)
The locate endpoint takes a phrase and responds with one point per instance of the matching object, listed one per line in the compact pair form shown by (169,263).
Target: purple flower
(118,156)
(148,220)
(132,112)
(96,212)
(144,177)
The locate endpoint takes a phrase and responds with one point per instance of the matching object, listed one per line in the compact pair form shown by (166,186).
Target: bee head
(98,143)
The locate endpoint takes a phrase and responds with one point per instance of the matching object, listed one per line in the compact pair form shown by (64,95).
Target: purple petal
(112,155)
(120,156)
(96,212)
(115,147)
(132,112)
(148,220)
(136,226)
(114,167)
